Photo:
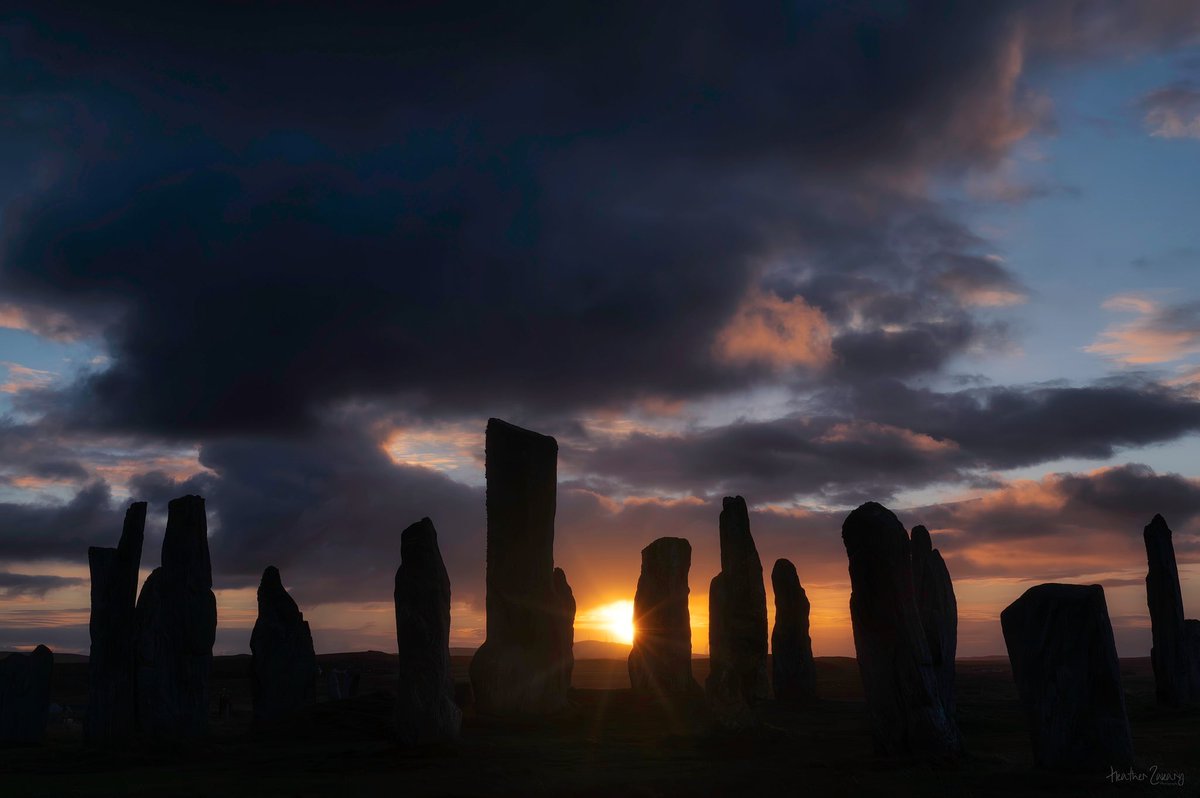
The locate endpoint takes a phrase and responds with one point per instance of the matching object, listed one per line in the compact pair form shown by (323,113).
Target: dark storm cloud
(60,531)
(892,436)
(527,206)
(36,585)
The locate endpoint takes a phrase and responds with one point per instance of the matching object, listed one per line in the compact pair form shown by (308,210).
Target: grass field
(610,742)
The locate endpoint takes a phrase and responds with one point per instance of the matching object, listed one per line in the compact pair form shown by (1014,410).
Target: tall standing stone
(425,708)
(176,627)
(1064,661)
(661,660)
(737,627)
(520,667)
(283,671)
(25,696)
(1175,657)
(901,686)
(112,662)
(791,646)
(938,609)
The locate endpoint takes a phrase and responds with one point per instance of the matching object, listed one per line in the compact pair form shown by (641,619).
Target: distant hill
(601,649)
(58,657)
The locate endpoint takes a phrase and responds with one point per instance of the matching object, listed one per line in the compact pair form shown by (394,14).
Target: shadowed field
(610,743)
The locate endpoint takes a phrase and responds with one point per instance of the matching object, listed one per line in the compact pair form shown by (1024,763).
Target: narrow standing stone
(176,627)
(525,662)
(112,661)
(284,665)
(791,646)
(938,609)
(901,687)
(661,660)
(737,623)
(425,708)
(1064,661)
(1175,658)
(25,696)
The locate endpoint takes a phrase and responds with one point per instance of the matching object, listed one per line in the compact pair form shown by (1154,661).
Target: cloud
(780,333)
(1159,334)
(1173,112)
(35,585)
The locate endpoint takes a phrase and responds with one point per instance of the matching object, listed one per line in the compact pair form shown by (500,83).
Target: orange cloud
(780,333)
(1159,334)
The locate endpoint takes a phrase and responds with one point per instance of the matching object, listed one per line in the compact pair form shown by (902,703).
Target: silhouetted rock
(791,646)
(901,687)
(1064,661)
(176,627)
(284,666)
(112,662)
(938,610)
(341,683)
(737,630)
(1176,659)
(520,667)
(661,659)
(425,707)
(25,696)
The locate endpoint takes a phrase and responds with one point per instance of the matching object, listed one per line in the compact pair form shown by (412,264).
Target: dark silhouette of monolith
(176,627)
(737,625)
(1064,661)
(938,609)
(661,660)
(901,686)
(425,708)
(1175,657)
(25,696)
(284,666)
(524,664)
(791,646)
(112,661)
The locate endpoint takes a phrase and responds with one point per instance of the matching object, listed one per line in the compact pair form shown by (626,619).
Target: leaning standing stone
(938,609)
(903,696)
(284,664)
(425,708)
(1064,661)
(791,646)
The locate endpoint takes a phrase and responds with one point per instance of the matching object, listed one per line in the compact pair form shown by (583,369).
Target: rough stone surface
(1175,658)
(112,663)
(176,626)
(25,696)
(1064,661)
(737,631)
(899,681)
(283,671)
(520,667)
(791,646)
(661,660)
(938,609)
(425,708)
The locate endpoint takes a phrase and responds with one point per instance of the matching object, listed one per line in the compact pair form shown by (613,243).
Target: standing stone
(737,628)
(176,627)
(1064,661)
(901,686)
(1175,658)
(283,671)
(25,696)
(425,708)
(112,662)
(661,660)
(791,646)
(938,609)
(520,667)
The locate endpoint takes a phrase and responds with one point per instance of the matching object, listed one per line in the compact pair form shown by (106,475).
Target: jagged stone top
(784,569)
(873,528)
(419,546)
(667,547)
(273,598)
(921,541)
(1157,528)
(737,544)
(185,544)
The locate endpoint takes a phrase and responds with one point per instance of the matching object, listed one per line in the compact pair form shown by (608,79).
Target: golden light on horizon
(616,619)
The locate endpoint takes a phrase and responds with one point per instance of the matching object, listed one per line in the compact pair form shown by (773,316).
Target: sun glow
(617,619)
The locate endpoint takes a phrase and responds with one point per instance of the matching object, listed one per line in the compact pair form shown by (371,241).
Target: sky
(940,255)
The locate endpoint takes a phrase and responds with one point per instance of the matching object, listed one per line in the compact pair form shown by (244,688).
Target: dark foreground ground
(610,743)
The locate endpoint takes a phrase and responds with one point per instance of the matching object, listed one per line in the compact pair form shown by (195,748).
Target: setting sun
(617,620)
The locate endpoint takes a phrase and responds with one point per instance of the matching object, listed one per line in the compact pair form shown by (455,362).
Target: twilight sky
(942,255)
